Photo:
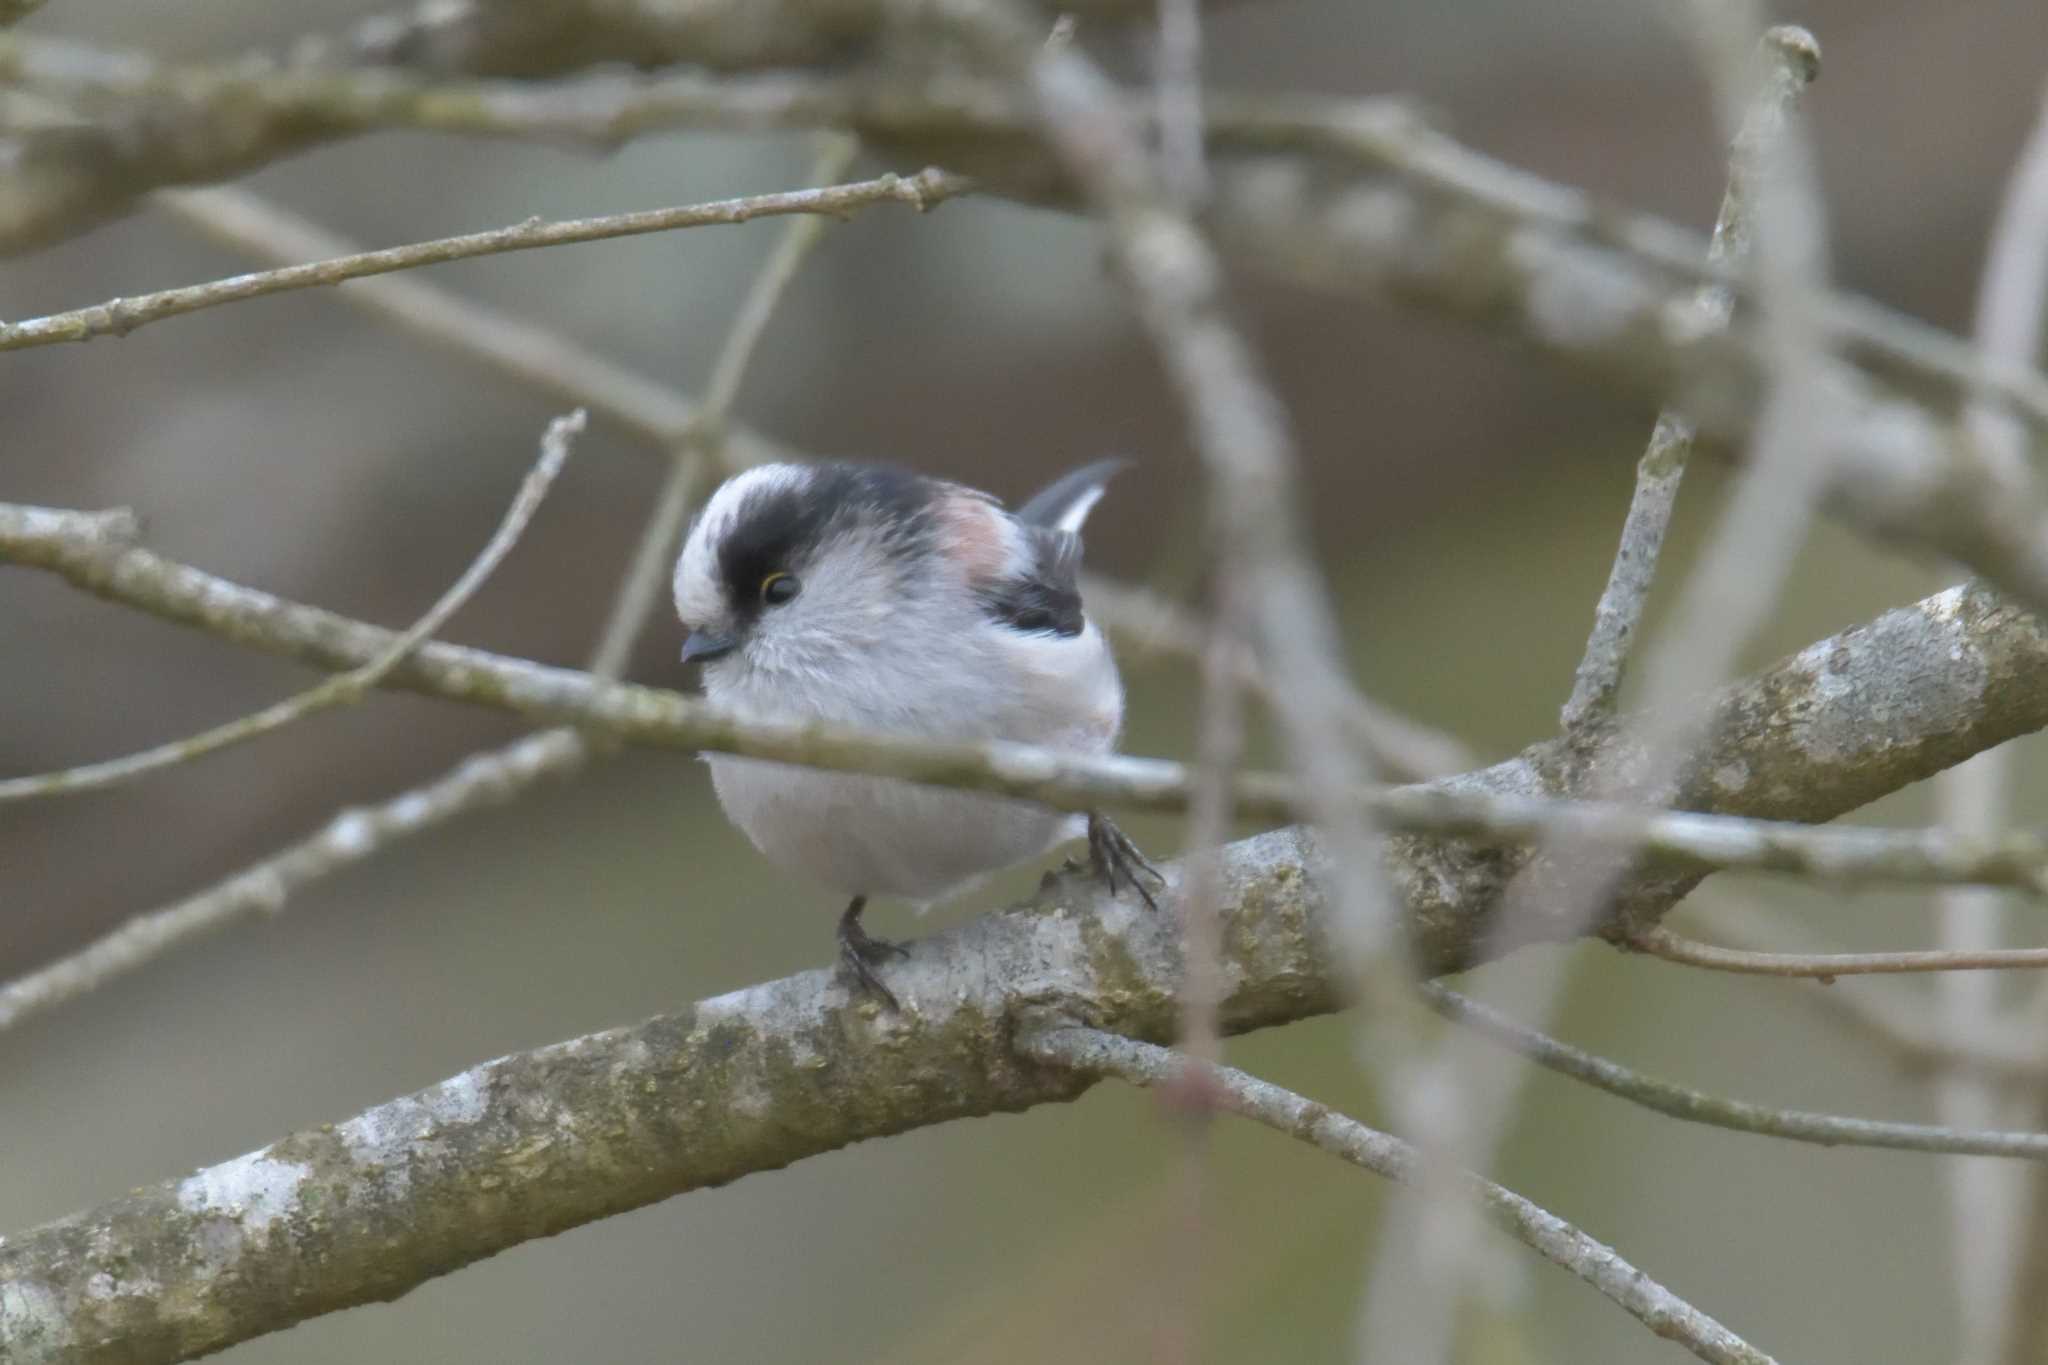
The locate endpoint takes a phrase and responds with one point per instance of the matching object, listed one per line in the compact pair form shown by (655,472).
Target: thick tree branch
(535,1143)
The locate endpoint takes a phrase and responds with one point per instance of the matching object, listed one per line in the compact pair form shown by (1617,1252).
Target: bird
(870,596)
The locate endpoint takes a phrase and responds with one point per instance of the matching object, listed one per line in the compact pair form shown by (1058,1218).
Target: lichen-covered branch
(535,1143)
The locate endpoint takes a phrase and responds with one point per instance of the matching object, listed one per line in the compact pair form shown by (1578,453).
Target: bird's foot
(861,952)
(1114,857)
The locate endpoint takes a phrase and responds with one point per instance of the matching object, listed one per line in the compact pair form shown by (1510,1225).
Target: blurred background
(1467,501)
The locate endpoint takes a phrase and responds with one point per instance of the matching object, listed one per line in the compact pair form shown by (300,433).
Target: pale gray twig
(1696,1106)
(539,358)
(117,317)
(1964,668)
(1659,941)
(1144,623)
(343,689)
(703,440)
(1095,1052)
(1888,1013)
(1618,617)
(492,777)
(1419,1273)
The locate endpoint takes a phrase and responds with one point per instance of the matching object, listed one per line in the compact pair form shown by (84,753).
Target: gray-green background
(1466,500)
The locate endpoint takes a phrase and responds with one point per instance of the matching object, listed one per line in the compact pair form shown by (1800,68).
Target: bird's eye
(778,588)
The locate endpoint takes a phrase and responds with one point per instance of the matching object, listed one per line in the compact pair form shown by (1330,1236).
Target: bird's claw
(1112,854)
(861,952)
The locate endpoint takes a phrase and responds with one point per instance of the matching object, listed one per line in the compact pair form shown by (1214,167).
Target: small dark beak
(702,647)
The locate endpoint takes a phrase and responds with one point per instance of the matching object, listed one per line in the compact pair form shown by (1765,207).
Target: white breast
(880,836)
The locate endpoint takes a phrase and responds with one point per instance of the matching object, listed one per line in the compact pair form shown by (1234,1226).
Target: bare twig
(660,415)
(1421,1268)
(704,439)
(117,317)
(539,358)
(1696,1106)
(1093,1051)
(1658,941)
(492,777)
(1986,638)
(342,689)
(1618,617)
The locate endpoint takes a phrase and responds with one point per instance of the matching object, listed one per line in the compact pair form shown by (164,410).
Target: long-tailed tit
(867,596)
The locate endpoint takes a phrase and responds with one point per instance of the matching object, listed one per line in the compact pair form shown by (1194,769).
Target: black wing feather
(1046,598)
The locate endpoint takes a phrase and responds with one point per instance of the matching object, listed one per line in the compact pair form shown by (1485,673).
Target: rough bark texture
(535,1143)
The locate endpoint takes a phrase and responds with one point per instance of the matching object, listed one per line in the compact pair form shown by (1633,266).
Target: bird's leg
(1113,855)
(860,951)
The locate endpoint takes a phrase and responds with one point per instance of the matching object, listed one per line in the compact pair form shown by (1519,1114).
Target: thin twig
(1094,1052)
(1618,617)
(343,689)
(67,543)
(1658,941)
(1888,1013)
(118,317)
(541,359)
(703,442)
(492,777)
(1421,1269)
(1697,1106)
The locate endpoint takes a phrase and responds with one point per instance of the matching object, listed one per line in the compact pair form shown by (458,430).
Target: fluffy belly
(878,836)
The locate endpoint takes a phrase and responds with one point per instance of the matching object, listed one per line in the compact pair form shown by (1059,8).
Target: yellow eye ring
(778,588)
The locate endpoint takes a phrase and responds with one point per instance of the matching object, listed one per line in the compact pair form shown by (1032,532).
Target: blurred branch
(1696,1106)
(702,443)
(1618,616)
(1341,193)
(1095,1051)
(343,689)
(1658,941)
(1792,744)
(118,317)
(1146,623)
(64,180)
(1988,1209)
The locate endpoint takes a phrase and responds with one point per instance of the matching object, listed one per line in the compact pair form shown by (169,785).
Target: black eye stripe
(775,529)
